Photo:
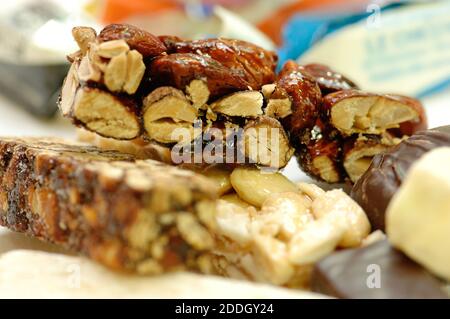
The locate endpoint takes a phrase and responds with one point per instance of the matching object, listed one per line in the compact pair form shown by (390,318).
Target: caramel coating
(305,95)
(254,64)
(146,43)
(179,69)
(329,80)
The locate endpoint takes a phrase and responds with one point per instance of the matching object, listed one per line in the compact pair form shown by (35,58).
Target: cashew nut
(337,203)
(255,186)
(315,241)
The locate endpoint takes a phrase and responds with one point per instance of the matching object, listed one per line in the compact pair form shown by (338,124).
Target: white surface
(14,121)
(31,274)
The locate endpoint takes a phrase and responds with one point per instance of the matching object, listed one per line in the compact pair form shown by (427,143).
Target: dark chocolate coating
(375,188)
(349,274)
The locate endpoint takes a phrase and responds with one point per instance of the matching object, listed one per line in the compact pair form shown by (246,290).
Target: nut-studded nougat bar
(128,214)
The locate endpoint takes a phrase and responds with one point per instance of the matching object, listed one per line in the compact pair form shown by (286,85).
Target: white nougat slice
(418,217)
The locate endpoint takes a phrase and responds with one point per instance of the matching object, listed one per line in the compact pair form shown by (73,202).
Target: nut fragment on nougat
(127,214)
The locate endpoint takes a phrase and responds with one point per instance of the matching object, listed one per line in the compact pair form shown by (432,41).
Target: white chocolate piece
(418,217)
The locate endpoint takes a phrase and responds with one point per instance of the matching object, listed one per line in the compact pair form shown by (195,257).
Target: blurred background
(384,46)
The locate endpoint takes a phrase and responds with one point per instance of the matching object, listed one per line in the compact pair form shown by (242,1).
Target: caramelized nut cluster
(335,127)
(128,84)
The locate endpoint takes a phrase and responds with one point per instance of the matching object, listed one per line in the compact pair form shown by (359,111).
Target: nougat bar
(131,215)
(336,128)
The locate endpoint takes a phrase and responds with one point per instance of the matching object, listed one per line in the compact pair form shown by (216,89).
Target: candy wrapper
(399,48)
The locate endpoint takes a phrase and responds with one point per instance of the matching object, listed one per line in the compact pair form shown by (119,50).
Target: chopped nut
(267,90)
(68,91)
(359,153)
(167,102)
(87,71)
(193,232)
(135,71)
(321,159)
(149,267)
(165,131)
(143,231)
(339,204)
(318,239)
(266,143)
(326,169)
(244,103)
(220,175)
(116,72)
(198,93)
(278,108)
(312,190)
(353,111)
(290,210)
(105,114)
(271,255)
(112,48)
(84,36)
(138,147)
(233,222)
